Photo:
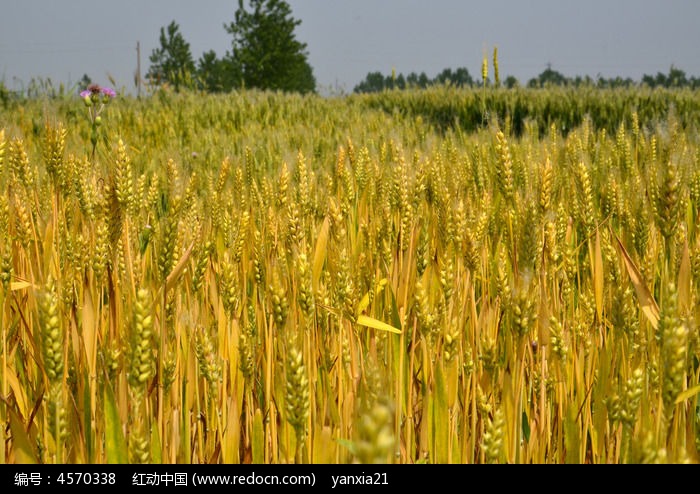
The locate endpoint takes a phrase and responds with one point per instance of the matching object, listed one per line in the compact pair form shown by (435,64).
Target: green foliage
(375,82)
(676,78)
(548,77)
(214,74)
(265,52)
(4,95)
(172,62)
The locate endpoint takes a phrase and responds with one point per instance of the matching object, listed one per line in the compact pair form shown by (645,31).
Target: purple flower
(95,90)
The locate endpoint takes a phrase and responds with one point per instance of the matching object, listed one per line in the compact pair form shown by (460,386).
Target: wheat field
(439,276)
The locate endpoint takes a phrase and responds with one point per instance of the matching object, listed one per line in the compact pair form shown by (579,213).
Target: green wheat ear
(668,201)
(247,346)
(54,147)
(52,334)
(210,367)
(375,431)
(504,170)
(52,343)
(492,443)
(141,349)
(297,396)
(21,169)
(673,337)
(305,296)
(496,74)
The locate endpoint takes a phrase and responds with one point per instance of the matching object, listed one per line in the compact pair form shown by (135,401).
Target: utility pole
(138,69)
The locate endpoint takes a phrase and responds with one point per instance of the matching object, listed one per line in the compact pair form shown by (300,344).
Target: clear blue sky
(348,38)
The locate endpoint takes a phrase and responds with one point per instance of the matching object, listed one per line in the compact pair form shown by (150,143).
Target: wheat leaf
(19,285)
(684,280)
(644,296)
(364,302)
(22,445)
(115,443)
(179,267)
(371,322)
(688,393)
(320,253)
(258,443)
(598,276)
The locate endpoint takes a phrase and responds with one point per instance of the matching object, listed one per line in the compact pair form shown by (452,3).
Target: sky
(347,39)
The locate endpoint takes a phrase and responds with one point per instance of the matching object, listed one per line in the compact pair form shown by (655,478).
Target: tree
(511,82)
(214,74)
(398,82)
(649,80)
(676,77)
(85,81)
(611,83)
(459,77)
(417,81)
(172,62)
(548,77)
(266,53)
(373,83)
(4,95)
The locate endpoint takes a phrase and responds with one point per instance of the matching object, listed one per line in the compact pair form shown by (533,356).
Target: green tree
(85,81)
(677,77)
(4,95)
(172,62)
(459,77)
(548,77)
(511,82)
(611,83)
(420,81)
(373,83)
(398,82)
(266,53)
(214,74)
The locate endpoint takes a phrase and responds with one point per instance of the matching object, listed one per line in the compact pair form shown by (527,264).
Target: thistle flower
(96,98)
(95,94)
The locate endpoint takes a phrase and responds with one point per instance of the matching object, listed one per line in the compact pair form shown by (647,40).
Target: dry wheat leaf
(646,300)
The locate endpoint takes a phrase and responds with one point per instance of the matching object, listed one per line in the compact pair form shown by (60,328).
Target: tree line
(376,82)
